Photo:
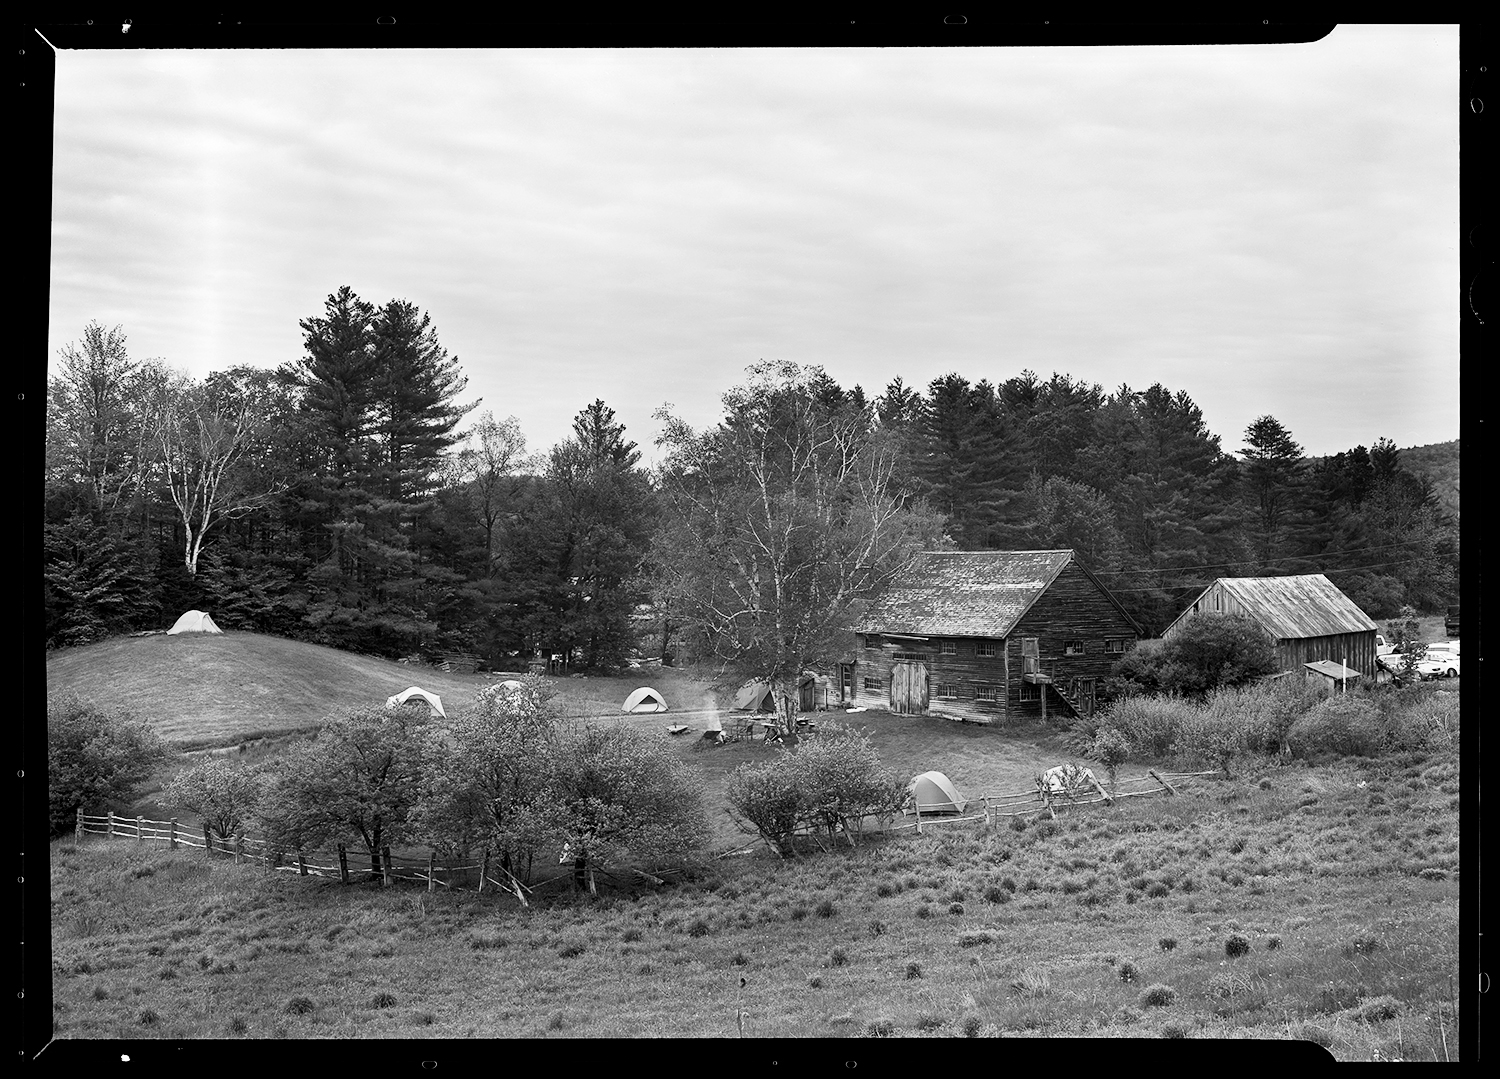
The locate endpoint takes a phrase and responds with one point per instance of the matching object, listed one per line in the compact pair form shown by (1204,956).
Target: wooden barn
(1307,616)
(987,636)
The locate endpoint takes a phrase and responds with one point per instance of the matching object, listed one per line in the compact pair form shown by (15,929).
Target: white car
(1438,665)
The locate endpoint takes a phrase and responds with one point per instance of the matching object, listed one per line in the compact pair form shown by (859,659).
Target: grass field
(1341,876)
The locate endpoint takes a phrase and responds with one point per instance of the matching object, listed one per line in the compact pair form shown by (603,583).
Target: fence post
(239,848)
(78,829)
(343,865)
(172,836)
(301,863)
(484,868)
(916,801)
(138,821)
(111,824)
(208,841)
(385,866)
(431,862)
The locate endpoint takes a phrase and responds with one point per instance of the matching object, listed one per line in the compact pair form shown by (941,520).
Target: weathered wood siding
(1072,609)
(1356,650)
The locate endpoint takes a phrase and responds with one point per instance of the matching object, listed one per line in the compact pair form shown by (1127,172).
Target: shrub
(1111,748)
(1273,942)
(1128,972)
(955,908)
(631,935)
(924,911)
(237,1025)
(838,957)
(1150,724)
(1213,650)
(94,759)
(383,1000)
(815,982)
(1264,711)
(298,1006)
(696,928)
(1215,736)
(913,971)
(1237,945)
(224,795)
(881,1027)
(148,1017)
(1167,943)
(1346,725)
(768,798)
(976,938)
(1173,1030)
(825,909)
(1157,996)
(972,1025)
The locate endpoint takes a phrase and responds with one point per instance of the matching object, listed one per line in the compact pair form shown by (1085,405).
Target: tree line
(349,498)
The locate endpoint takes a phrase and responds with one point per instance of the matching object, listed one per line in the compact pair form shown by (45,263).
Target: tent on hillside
(755,697)
(644,699)
(414,693)
(194,622)
(934,792)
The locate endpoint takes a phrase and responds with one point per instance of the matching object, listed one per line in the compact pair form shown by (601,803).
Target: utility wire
(1261,562)
(1349,569)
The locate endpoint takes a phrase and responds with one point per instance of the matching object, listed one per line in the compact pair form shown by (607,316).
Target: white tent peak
(194,622)
(644,699)
(755,697)
(432,699)
(934,792)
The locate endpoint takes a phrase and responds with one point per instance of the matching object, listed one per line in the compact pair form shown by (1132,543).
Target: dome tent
(194,622)
(407,695)
(934,792)
(644,699)
(755,697)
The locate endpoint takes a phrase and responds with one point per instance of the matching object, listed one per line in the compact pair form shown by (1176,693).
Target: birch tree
(203,432)
(777,524)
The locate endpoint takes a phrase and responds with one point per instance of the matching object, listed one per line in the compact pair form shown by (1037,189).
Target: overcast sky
(1273,229)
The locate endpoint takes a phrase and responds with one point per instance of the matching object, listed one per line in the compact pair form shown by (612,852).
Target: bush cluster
(95,759)
(826,785)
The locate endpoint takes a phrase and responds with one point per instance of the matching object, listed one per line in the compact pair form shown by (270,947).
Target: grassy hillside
(215,690)
(1340,877)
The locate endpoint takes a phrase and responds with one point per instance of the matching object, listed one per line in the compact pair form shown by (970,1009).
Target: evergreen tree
(967,464)
(1272,483)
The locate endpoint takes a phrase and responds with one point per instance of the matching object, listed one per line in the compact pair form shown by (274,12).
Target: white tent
(406,695)
(934,792)
(194,622)
(644,699)
(755,697)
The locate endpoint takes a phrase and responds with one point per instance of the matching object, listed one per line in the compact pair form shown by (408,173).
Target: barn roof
(963,593)
(1291,607)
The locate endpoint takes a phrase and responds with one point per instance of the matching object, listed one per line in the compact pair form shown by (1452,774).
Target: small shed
(1329,676)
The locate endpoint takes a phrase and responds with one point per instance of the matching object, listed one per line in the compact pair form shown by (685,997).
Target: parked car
(1438,666)
(1381,648)
(1450,623)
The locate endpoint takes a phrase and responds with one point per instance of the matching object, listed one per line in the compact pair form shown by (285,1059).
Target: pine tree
(1273,487)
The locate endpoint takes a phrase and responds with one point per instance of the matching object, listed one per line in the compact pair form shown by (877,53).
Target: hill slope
(200,690)
(204,690)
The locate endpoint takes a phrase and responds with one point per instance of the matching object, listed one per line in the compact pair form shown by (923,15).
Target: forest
(350,499)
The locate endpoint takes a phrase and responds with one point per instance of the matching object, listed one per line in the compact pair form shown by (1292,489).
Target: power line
(1348,569)
(1264,561)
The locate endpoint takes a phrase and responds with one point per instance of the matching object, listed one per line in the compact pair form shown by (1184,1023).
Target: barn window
(948,648)
(1073,648)
(874,684)
(1030,691)
(908,655)
(872,640)
(984,648)
(947,690)
(986,693)
(1115,645)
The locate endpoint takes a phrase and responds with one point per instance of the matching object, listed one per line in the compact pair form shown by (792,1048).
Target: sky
(1271,228)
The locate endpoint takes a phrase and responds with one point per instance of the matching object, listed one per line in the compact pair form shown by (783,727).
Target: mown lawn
(1341,878)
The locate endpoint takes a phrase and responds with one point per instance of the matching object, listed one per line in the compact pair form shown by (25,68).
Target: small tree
(94,758)
(1404,633)
(617,795)
(1110,748)
(361,775)
(766,797)
(496,760)
(1213,650)
(224,795)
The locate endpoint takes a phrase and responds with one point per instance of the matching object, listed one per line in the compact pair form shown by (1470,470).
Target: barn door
(1030,656)
(908,687)
(1083,693)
